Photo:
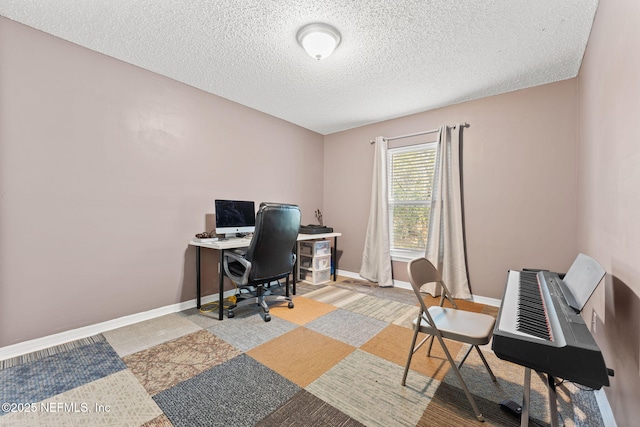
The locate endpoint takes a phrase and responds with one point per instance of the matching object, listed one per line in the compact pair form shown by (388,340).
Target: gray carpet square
(249,330)
(50,351)
(347,326)
(46,377)
(237,393)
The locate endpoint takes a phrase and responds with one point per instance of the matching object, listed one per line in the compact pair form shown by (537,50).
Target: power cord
(214,305)
(233,299)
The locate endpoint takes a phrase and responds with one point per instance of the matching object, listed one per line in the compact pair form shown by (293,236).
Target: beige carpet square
(163,366)
(368,389)
(334,296)
(115,400)
(381,309)
(139,336)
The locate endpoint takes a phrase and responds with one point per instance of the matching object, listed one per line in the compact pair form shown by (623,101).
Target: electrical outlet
(594,321)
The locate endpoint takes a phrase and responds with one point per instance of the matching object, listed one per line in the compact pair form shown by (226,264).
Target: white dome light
(319,40)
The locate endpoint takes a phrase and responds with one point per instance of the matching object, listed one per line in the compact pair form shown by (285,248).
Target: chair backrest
(272,249)
(422,271)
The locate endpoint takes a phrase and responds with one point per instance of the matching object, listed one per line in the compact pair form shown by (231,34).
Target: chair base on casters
(259,295)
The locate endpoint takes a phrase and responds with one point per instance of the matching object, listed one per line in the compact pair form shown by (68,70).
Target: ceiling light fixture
(319,40)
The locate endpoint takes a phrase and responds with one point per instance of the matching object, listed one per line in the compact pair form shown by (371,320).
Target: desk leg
(295,268)
(198,305)
(524,418)
(221,285)
(335,257)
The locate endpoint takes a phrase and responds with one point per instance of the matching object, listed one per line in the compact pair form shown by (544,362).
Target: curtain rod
(464,125)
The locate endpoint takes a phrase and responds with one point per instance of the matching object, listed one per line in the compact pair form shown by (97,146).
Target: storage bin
(315,277)
(306,261)
(315,247)
(322,262)
(315,263)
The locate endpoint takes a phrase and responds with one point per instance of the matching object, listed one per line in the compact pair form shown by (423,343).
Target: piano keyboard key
(531,317)
(521,334)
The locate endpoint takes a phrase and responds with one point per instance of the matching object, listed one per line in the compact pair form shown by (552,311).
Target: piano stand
(526,394)
(553,400)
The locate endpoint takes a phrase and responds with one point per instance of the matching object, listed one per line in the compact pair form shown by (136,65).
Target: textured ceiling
(396,57)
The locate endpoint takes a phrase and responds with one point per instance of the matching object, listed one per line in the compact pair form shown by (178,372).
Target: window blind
(411,171)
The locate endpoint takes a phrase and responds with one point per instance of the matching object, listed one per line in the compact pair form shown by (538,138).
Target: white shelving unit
(314,261)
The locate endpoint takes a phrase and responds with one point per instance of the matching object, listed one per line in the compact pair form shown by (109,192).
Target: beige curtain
(445,244)
(376,257)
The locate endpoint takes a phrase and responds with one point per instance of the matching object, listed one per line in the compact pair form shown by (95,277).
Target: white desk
(236,243)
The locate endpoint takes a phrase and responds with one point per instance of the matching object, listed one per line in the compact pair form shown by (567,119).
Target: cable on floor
(214,305)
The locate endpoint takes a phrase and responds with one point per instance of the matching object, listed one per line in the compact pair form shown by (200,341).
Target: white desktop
(243,242)
(236,220)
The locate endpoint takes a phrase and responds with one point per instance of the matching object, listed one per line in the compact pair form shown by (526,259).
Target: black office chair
(269,258)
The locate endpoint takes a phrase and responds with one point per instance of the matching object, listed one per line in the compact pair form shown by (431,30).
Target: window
(411,172)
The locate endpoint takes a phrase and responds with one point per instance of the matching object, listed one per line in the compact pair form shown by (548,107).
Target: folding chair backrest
(422,271)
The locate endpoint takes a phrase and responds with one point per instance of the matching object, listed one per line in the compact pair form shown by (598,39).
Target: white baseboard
(605,408)
(406,285)
(98,328)
(350,274)
(87,331)
(486,300)
(396,283)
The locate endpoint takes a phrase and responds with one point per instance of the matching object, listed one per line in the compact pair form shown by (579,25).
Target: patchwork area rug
(335,359)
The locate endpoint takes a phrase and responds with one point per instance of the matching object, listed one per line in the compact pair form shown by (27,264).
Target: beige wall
(519,182)
(609,192)
(108,170)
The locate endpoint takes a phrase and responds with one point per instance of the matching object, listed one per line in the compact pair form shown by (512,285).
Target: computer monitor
(235,217)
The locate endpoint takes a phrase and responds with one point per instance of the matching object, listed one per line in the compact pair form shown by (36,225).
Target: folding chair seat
(442,323)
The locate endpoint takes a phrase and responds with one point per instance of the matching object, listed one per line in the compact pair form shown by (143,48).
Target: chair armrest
(240,280)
